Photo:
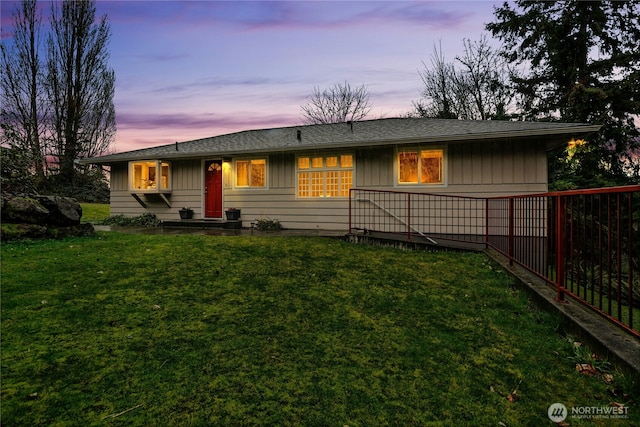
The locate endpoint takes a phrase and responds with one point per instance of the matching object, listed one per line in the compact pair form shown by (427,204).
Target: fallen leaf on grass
(563,424)
(587,369)
(608,378)
(617,405)
(514,396)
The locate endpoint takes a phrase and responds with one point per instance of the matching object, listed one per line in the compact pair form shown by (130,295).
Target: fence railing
(417,216)
(585,243)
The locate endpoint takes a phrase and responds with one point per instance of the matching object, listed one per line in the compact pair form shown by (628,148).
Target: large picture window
(421,166)
(150,176)
(324,176)
(251,173)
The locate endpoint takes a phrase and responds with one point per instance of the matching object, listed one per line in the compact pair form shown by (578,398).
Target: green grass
(202,330)
(95,213)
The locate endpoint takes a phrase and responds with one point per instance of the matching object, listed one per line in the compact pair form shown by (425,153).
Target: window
(421,167)
(325,176)
(251,173)
(150,176)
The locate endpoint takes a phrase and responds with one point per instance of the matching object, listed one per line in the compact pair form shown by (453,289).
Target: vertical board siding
(496,167)
(187,174)
(490,168)
(374,167)
(118,177)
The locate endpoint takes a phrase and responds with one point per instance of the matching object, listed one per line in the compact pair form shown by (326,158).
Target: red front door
(213,189)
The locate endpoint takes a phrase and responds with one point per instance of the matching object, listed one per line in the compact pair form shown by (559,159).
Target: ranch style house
(301,175)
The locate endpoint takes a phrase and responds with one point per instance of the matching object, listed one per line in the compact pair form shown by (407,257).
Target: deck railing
(585,243)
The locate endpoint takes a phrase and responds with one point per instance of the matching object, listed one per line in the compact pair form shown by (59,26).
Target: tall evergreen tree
(584,66)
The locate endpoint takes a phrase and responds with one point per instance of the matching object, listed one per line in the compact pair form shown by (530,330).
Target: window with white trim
(324,176)
(421,166)
(149,176)
(251,173)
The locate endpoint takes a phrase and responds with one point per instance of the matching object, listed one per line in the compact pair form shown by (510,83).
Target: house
(301,175)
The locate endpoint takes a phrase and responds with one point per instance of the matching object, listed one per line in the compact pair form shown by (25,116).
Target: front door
(213,189)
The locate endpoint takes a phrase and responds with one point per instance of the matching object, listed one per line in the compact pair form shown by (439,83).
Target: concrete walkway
(220,231)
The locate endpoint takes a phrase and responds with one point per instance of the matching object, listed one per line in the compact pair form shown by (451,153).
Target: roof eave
(575,131)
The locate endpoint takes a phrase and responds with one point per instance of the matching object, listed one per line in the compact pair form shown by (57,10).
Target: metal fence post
(511,228)
(561,216)
(409,216)
(486,222)
(350,197)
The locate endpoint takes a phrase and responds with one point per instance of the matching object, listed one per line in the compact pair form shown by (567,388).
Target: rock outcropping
(38,216)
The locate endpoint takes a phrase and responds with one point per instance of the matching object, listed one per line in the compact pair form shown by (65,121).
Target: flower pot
(233,215)
(185,213)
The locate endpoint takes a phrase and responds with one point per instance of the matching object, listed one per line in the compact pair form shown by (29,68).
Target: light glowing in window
(150,175)
(421,167)
(330,176)
(251,173)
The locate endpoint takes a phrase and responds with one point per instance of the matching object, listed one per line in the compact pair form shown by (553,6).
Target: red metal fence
(418,217)
(585,243)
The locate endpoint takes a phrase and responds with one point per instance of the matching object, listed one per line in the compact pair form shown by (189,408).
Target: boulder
(22,231)
(63,211)
(24,210)
(37,217)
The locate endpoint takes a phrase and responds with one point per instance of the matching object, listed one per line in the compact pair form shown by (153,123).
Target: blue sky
(193,69)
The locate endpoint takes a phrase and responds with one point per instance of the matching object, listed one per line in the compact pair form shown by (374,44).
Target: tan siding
(374,167)
(496,155)
(118,178)
(493,168)
(281,171)
(468,165)
(187,175)
(494,165)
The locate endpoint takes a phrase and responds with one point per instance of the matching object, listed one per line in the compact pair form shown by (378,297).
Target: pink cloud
(137,130)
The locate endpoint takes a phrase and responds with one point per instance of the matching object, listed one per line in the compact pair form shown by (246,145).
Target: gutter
(459,138)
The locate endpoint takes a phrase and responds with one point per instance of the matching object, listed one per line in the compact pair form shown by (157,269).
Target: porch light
(572,146)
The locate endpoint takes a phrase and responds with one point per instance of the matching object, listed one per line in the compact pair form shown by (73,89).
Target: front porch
(204,224)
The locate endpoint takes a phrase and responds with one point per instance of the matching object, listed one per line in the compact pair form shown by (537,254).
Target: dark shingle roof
(342,135)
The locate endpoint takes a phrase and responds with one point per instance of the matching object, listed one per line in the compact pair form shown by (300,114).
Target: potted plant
(233,214)
(186,213)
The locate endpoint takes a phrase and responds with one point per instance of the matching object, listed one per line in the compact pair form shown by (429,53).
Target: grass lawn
(199,330)
(94,213)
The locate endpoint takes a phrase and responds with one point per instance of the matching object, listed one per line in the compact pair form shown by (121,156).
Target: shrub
(148,220)
(268,225)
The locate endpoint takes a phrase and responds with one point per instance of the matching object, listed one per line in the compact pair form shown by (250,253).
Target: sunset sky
(193,69)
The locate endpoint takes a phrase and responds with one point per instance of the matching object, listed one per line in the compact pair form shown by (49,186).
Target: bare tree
(438,88)
(474,87)
(80,85)
(23,108)
(339,103)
